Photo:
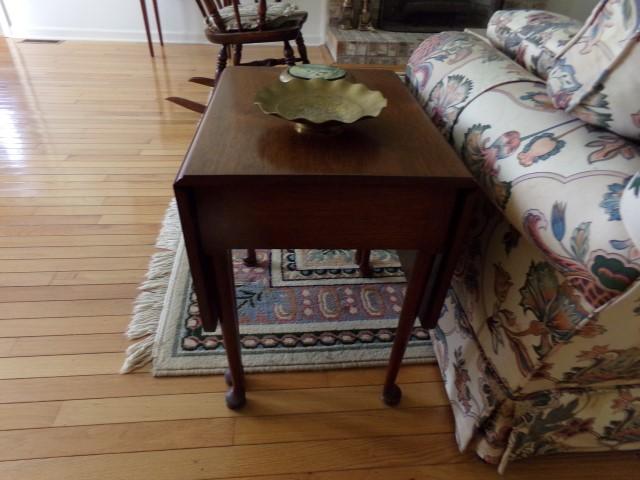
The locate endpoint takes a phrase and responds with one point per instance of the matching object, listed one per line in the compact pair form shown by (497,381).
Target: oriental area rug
(298,310)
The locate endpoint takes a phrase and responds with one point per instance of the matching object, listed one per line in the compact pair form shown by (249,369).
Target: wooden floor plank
(88,278)
(82,325)
(60,365)
(75,241)
(102,439)
(103,411)
(74,264)
(225,462)
(360,424)
(38,230)
(67,292)
(65,308)
(262,403)
(136,385)
(63,345)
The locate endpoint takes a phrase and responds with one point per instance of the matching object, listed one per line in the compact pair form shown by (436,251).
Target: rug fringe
(148,305)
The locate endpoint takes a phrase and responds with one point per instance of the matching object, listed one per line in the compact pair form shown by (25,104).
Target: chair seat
(278,14)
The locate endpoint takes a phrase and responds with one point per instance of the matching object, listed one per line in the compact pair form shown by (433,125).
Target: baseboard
(124,35)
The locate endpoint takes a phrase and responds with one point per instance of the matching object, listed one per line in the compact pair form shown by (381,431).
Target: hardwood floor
(88,152)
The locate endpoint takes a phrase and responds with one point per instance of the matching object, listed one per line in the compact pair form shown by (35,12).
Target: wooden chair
(232,25)
(233,32)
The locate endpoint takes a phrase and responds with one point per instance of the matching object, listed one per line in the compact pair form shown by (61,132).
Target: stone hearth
(379,46)
(375,47)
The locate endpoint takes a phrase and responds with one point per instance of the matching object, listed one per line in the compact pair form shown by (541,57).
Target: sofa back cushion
(597,76)
(533,38)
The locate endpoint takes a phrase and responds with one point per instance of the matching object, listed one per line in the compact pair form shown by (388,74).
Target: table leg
(251,259)
(145,18)
(226,295)
(363,259)
(157,14)
(441,280)
(204,281)
(415,289)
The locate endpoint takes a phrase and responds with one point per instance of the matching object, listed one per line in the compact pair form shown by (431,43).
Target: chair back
(210,9)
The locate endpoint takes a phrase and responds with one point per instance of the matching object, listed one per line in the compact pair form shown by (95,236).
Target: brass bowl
(320,105)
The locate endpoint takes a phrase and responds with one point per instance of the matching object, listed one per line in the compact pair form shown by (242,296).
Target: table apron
(329,217)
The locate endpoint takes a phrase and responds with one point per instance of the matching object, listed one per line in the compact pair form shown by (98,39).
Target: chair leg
(237,54)
(157,14)
(223,57)
(302,49)
(145,19)
(289,54)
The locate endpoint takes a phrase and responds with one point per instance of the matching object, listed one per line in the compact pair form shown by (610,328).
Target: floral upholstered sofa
(539,339)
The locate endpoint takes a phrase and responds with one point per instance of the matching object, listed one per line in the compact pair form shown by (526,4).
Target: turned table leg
(415,289)
(226,296)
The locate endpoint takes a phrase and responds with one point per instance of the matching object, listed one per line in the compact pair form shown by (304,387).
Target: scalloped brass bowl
(320,105)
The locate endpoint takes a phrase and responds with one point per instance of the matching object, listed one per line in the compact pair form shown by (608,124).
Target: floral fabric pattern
(533,38)
(563,421)
(538,342)
(629,208)
(449,70)
(596,76)
(551,159)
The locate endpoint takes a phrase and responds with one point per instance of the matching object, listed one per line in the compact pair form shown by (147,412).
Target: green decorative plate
(320,105)
(309,72)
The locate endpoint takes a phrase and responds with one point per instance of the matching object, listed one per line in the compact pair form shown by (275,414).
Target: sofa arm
(630,212)
(533,38)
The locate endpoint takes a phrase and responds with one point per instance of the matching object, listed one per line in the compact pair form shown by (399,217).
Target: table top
(235,140)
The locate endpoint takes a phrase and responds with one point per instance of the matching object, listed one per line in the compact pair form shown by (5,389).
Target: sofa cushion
(450,69)
(533,38)
(249,15)
(597,76)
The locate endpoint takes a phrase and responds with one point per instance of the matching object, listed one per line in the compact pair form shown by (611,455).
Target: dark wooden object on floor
(145,18)
(261,184)
(285,29)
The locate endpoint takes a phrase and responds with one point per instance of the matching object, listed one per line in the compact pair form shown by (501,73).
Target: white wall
(122,20)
